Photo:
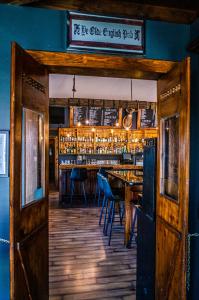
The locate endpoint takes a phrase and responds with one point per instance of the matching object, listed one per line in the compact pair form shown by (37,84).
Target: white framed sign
(93,32)
(4,148)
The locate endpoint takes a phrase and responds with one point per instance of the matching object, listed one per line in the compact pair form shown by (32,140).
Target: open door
(28,178)
(172,182)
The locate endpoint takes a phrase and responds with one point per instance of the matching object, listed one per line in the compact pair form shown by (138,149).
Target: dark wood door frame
(28,206)
(103,65)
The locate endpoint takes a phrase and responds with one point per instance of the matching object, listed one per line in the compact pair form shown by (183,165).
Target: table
(129,178)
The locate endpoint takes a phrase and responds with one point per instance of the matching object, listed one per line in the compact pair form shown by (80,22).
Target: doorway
(82,264)
(173,91)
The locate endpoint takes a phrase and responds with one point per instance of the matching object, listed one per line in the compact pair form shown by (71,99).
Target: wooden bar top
(95,167)
(131,177)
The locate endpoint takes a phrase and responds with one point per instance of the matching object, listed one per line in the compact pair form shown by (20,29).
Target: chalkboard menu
(80,114)
(147,118)
(110,116)
(95,116)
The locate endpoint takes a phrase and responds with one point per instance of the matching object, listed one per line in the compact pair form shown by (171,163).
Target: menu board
(110,116)
(147,118)
(80,114)
(95,116)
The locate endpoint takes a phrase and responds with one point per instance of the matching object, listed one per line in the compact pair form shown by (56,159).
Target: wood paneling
(171,11)
(81,265)
(102,65)
(172,215)
(27,268)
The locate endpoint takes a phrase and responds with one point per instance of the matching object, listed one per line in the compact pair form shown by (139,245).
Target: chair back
(107,188)
(100,182)
(102,171)
(78,174)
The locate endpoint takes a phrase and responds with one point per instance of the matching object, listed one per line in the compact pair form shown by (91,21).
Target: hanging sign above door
(97,33)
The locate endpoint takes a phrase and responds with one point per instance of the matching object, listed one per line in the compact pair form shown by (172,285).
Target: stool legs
(72,189)
(112,216)
(84,193)
(102,210)
(121,213)
(106,220)
(108,217)
(133,227)
(97,195)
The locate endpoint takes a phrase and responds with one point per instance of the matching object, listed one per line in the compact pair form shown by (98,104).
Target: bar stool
(78,175)
(101,191)
(134,220)
(98,190)
(109,215)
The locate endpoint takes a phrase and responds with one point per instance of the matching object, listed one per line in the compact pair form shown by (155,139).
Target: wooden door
(28,178)
(173,182)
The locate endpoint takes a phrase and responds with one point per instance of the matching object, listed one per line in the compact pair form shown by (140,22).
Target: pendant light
(87,121)
(128,119)
(74,89)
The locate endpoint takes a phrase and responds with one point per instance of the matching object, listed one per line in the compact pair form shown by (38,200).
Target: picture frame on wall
(4,153)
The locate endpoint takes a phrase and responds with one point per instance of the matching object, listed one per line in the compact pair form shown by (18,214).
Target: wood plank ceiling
(102,65)
(184,11)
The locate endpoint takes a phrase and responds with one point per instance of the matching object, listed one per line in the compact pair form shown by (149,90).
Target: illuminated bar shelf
(103,141)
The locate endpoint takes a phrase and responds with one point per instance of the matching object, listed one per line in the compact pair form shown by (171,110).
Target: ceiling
(184,11)
(91,87)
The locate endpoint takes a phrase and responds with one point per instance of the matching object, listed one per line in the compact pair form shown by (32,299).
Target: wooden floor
(81,265)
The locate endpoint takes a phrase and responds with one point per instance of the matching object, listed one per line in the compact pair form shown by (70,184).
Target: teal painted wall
(166,40)
(40,29)
(33,29)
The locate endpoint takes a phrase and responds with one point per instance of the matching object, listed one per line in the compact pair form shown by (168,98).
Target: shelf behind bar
(94,167)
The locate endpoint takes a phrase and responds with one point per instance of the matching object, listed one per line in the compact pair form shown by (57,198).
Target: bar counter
(64,176)
(97,167)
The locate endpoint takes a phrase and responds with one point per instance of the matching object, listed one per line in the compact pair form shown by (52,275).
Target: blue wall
(35,29)
(166,40)
(45,30)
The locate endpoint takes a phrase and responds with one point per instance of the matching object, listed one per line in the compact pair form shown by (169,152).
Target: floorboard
(81,264)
